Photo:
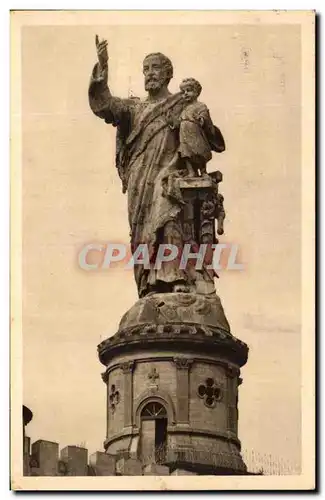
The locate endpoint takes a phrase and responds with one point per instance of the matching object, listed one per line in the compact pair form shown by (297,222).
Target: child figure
(197,134)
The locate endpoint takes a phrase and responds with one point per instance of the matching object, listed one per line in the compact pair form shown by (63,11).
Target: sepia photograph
(162,250)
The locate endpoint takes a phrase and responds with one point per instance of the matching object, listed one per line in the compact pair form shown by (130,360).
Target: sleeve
(112,109)
(203,116)
(212,132)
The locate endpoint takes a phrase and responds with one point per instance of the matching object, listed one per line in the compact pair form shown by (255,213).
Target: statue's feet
(181,288)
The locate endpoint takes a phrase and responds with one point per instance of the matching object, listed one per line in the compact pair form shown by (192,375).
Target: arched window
(153,432)
(153,410)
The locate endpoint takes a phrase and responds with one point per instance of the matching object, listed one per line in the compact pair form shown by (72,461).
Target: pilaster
(183,366)
(127,369)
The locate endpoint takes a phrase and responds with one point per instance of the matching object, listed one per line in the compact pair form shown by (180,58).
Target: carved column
(127,369)
(183,366)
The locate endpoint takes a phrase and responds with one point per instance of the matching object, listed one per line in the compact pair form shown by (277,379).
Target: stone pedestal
(176,369)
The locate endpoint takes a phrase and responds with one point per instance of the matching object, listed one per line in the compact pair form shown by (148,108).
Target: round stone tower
(172,376)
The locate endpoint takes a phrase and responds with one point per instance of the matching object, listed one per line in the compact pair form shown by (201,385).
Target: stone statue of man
(147,144)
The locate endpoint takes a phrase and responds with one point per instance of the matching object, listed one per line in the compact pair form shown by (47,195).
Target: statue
(150,163)
(197,134)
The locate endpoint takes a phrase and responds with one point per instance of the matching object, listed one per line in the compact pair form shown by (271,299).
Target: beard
(153,84)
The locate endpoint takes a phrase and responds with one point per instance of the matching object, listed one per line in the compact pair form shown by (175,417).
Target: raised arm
(102,53)
(112,109)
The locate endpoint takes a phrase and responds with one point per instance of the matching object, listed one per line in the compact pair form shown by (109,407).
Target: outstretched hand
(102,54)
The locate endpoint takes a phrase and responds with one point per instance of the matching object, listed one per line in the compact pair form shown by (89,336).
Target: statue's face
(189,93)
(154,73)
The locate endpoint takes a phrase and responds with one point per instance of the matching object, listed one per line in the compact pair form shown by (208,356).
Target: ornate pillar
(183,366)
(127,369)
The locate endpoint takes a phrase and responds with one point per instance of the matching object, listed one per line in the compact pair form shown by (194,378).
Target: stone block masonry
(45,460)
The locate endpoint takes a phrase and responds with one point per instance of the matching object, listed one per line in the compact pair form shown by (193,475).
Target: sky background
(72,196)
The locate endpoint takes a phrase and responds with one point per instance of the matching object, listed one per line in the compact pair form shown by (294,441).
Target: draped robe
(146,157)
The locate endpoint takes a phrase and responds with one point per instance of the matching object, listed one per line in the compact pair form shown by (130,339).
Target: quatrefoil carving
(210,392)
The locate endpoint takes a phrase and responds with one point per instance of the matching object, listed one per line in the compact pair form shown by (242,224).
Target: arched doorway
(154,423)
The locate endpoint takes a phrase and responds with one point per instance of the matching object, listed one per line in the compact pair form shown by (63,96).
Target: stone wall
(44,458)
(183,384)
(202,416)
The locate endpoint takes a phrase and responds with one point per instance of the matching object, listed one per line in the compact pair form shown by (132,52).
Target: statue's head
(157,70)
(190,89)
